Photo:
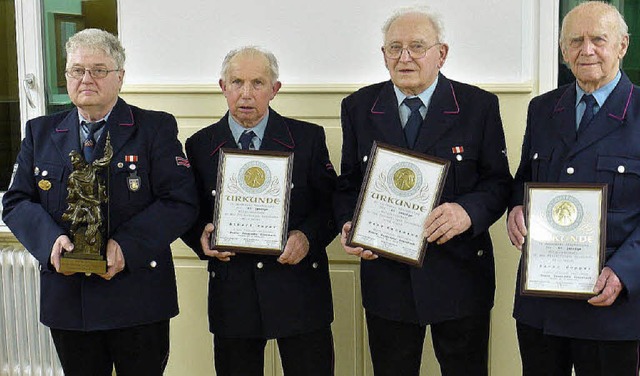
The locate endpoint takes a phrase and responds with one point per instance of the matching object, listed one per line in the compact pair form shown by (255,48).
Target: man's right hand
(205,240)
(357,251)
(516,228)
(61,245)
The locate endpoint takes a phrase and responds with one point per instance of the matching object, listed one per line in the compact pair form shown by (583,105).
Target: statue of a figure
(86,192)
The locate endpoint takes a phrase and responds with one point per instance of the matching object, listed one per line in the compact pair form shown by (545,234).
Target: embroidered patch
(182,162)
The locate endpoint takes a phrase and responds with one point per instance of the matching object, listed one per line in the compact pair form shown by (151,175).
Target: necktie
(246,140)
(412,127)
(90,142)
(590,101)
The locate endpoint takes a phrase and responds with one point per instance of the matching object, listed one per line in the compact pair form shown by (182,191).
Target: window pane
(9,97)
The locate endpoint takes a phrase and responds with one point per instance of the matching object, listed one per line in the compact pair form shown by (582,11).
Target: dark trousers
(461,346)
(136,351)
(309,354)
(546,355)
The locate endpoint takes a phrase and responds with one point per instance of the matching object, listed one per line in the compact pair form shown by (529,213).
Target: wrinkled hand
(296,249)
(357,251)
(445,222)
(61,245)
(115,260)
(516,228)
(205,241)
(608,287)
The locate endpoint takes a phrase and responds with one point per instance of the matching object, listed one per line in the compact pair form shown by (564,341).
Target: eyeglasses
(415,50)
(78,72)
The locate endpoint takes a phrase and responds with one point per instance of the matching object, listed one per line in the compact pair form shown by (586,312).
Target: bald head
(594,39)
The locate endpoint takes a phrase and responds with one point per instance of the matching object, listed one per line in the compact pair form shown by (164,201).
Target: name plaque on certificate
(251,212)
(563,252)
(400,189)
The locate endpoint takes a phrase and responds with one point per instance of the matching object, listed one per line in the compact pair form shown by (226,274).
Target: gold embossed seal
(564,213)
(254,177)
(404,179)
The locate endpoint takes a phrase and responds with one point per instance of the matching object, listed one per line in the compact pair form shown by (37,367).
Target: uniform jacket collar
(120,125)
(611,115)
(441,115)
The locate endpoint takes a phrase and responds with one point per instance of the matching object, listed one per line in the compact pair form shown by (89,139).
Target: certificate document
(564,248)
(400,189)
(252,201)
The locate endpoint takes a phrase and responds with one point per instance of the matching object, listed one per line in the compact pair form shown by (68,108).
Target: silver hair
(251,51)
(621,26)
(98,40)
(433,17)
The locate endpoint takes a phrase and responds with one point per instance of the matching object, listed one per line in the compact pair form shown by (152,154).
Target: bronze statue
(86,192)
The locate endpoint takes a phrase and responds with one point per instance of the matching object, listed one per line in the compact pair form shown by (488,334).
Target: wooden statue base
(70,264)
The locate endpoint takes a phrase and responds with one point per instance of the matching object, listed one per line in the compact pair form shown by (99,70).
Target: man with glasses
(422,110)
(120,317)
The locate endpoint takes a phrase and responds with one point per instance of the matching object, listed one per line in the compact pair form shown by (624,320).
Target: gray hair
(433,17)
(97,39)
(251,51)
(609,10)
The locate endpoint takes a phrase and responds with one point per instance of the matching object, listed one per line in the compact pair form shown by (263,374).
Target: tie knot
(246,139)
(92,127)
(413,103)
(589,100)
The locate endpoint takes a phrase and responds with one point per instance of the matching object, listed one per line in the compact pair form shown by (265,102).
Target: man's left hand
(296,248)
(115,260)
(608,287)
(445,222)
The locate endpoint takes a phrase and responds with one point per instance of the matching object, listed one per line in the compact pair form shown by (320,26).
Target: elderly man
(253,298)
(586,132)
(120,317)
(453,290)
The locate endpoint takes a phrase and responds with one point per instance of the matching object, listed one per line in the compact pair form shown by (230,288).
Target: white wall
(318,42)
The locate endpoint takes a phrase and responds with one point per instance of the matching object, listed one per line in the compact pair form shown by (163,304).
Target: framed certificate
(251,212)
(563,252)
(399,191)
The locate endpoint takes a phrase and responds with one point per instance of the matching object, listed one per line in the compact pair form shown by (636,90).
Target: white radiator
(26,348)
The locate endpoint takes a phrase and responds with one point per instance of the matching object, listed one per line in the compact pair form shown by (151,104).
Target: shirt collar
(259,129)
(425,96)
(602,93)
(81,118)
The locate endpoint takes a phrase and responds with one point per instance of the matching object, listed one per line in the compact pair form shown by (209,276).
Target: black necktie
(412,127)
(90,142)
(246,140)
(590,101)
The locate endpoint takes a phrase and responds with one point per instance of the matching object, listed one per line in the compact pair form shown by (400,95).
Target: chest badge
(45,185)
(133,181)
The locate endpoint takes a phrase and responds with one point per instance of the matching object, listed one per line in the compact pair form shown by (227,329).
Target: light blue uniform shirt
(599,95)
(425,97)
(237,130)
